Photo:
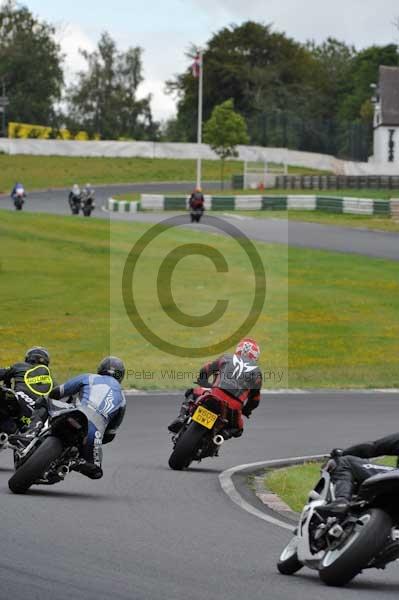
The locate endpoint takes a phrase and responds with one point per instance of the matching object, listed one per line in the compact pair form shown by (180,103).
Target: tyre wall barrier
(122,205)
(332,204)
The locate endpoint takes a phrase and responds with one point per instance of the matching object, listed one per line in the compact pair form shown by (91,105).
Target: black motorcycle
(74,203)
(12,419)
(367,538)
(209,423)
(88,205)
(53,452)
(19,199)
(196,214)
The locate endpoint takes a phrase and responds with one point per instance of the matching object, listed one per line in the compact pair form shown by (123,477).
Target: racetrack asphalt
(145,532)
(297,234)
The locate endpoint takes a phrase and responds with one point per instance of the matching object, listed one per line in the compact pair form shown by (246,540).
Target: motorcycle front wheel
(36,465)
(368,537)
(288,563)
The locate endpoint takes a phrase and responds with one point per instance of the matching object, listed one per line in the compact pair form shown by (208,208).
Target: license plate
(204,417)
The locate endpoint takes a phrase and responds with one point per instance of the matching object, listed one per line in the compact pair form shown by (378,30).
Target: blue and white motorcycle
(53,452)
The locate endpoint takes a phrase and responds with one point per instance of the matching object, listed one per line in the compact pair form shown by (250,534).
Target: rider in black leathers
(31,380)
(350,467)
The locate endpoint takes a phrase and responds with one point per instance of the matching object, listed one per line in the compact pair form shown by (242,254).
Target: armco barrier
(331,204)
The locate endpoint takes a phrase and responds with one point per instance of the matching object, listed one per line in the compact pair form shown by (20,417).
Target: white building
(386,117)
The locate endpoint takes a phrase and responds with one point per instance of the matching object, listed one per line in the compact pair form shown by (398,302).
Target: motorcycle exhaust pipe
(63,472)
(218,440)
(3,438)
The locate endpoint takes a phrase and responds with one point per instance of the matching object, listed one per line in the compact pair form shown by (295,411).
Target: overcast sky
(165,29)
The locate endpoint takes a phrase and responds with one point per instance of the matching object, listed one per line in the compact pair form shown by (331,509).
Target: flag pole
(199,130)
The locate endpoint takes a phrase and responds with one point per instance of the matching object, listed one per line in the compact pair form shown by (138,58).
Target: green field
(331,318)
(293,484)
(42,172)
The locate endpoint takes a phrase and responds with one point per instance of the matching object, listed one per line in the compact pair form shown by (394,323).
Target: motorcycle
(209,423)
(11,415)
(196,213)
(49,456)
(19,198)
(87,202)
(340,549)
(74,203)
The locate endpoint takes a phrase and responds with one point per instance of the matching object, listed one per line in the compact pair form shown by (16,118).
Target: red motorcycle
(209,423)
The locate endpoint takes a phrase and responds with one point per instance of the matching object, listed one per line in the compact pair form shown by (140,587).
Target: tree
(364,71)
(104,98)
(259,68)
(30,63)
(224,130)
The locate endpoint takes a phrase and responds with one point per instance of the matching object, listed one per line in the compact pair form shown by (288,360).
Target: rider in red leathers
(237,382)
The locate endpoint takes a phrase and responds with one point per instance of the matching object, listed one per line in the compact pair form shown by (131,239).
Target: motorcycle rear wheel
(339,566)
(35,466)
(186,446)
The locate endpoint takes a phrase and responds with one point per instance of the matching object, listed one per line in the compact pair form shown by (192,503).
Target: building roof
(388,88)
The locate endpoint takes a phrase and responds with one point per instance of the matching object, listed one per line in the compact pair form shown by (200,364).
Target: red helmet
(248,348)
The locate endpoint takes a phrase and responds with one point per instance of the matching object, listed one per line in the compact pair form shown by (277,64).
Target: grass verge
(38,172)
(331,318)
(293,484)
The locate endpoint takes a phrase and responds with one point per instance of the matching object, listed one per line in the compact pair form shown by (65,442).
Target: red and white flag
(196,66)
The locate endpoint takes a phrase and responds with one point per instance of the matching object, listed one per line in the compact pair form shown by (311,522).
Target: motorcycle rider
(18,192)
(74,198)
(102,397)
(88,195)
(31,380)
(196,201)
(237,380)
(349,467)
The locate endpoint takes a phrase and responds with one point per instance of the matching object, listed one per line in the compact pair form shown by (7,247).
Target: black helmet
(113,366)
(37,356)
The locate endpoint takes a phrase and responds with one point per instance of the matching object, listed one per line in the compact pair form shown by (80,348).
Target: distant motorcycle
(209,423)
(196,214)
(19,196)
(50,455)
(88,201)
(368,537)
(75,200)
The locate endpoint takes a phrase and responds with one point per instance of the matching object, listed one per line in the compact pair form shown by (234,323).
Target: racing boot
(178,423)
(90,470)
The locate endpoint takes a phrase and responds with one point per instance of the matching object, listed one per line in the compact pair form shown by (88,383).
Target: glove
(330,465)
(246,411)
(188,392)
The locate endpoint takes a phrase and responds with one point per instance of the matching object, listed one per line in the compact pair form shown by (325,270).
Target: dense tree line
(314,97)
(310,96)
(103,99)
